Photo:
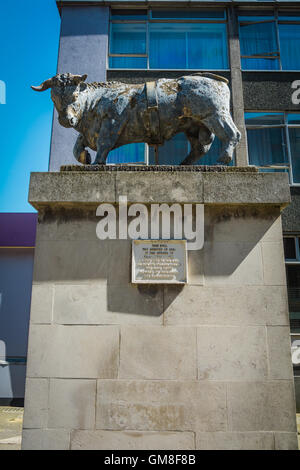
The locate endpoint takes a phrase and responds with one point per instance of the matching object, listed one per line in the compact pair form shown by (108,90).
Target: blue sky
(29,33)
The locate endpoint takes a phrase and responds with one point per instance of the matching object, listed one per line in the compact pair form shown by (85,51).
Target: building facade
(17,241)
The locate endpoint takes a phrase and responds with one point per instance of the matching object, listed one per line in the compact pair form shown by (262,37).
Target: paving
(11,419)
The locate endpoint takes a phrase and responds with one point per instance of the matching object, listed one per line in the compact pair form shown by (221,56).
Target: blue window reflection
(289,35)
(168,41)
(293,118)
(128,62)
(266,146)
(188,14)
(128,38)
(274,140)
(131,153)
(294,136)
(188,46)
(176,150)
(264,119)
(128,14)
(259,41)
(172,152)
(270,44)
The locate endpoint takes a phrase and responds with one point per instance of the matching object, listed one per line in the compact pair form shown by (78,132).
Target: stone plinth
(206,365)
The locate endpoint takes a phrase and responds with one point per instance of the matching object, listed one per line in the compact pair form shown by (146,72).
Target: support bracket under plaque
(159,262)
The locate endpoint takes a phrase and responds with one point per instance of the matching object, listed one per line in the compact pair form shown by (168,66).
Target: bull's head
(60,80)
(64,93)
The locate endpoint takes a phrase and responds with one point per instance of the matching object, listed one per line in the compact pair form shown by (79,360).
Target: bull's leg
(79,151)
(109,133)
(225,129)
(200,144)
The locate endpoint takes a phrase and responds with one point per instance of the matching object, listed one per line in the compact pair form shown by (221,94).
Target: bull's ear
(84,77)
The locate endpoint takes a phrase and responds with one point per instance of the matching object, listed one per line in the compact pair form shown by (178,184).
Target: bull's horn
(44,86)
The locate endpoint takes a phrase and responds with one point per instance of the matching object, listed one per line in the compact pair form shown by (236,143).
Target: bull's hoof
(225,159)
(85,158)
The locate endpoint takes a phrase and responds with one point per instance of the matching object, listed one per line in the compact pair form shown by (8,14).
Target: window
(173,152)
(132,153)
(274,142)
(292,261)
(168,39)
(270,41)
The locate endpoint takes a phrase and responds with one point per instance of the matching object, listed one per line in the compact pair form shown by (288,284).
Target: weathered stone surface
(71,188)
(249,224)
(273,261)
(66,224)
(161,405)
(45,439)
(242,188)
(119,255)
(36,403)
(277,306)
(72,403)
(240,305)
(230,263)
(232,353)
(71,261)
(132,440)
(41,303)
(235,441)
(73,351)
(195,268)
(159,187)
(286,441)
(279,352)
(137,167)
(272,401)
(92,188)
(95,304)
(158,352)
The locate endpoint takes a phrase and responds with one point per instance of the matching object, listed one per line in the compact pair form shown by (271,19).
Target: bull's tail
(212,75)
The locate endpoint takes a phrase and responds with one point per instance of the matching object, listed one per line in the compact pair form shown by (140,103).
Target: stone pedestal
(113,365)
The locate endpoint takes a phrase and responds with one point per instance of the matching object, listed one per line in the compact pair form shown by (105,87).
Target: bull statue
(109,115)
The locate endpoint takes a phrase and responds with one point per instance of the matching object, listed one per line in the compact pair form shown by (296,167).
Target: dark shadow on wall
(73,253)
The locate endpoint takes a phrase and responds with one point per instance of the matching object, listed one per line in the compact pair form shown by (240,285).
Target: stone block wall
(116,366)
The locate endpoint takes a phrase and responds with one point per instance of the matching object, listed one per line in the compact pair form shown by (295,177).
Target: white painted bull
(109,115)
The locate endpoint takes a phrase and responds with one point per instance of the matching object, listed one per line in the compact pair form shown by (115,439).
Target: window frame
(295,236)
(292,262)
(286,126)
(276,13)
(149,20)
